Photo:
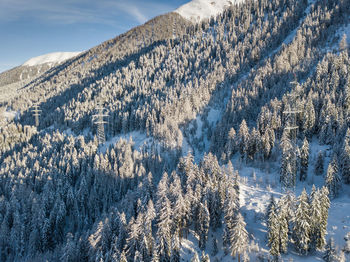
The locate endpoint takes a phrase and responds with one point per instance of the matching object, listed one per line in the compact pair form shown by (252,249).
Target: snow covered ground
(198,10)
(7,115)
(57,57)
(257,185)
(139,140)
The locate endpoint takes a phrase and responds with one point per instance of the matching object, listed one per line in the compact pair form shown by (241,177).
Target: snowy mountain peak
(57,57)
(197,10)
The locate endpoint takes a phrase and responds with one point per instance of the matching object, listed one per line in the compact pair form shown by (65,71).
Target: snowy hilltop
(198,10)
(57,57)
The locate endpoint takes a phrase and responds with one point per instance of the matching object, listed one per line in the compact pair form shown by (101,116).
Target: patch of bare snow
(10,114)
(139,140)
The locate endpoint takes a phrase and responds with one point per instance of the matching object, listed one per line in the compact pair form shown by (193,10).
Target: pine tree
(187,170)
(347,246)
(273,234)
(319,169)
(341,257)
(137,257)
(164,220)
(205,257)
(333,181)
(325,204)
(175,249)
(149,216)
(114,252)
(135,234)
(204,220)
(123,257)
(243,138)
(315,217)
(180,207)
(215,208)
(346,160)
(164,230)
(304,160)
(301,229)
(215,249)
(288,161)
(330,253)
(343,45)
(272,204)
(318,216)
(231,144)
(282,216)
(122,231)
(69,249)
(238,237)
(230,210)
(195,258)
(155,256)
(310,118)
(278,229)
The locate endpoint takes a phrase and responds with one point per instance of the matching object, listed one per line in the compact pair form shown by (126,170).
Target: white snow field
(57,57)
(198,10)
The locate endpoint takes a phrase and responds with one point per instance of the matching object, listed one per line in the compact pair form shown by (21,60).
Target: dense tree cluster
(73,200)
(302,222)
(68,200)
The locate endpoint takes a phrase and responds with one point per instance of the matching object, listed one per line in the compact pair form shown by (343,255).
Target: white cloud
(136,13)
(141,11)
(75,11)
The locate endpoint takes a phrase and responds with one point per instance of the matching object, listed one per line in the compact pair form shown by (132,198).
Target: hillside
(171,139)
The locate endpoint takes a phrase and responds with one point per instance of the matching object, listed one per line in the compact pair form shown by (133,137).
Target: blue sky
(30,28)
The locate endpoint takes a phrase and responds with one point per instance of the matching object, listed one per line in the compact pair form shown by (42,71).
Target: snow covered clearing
(139,140)
(257,184)
(8,115)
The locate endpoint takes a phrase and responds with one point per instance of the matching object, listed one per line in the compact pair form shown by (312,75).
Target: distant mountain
(198,10)
(14,79)
(51,58)
(34,67)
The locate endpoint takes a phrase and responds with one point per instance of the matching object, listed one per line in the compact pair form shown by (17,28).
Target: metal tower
(292,129)
(98,120)
(36,113)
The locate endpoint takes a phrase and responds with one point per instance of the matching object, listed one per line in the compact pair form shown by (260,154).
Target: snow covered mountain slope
(197,10)
(57,57)
(19,76)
